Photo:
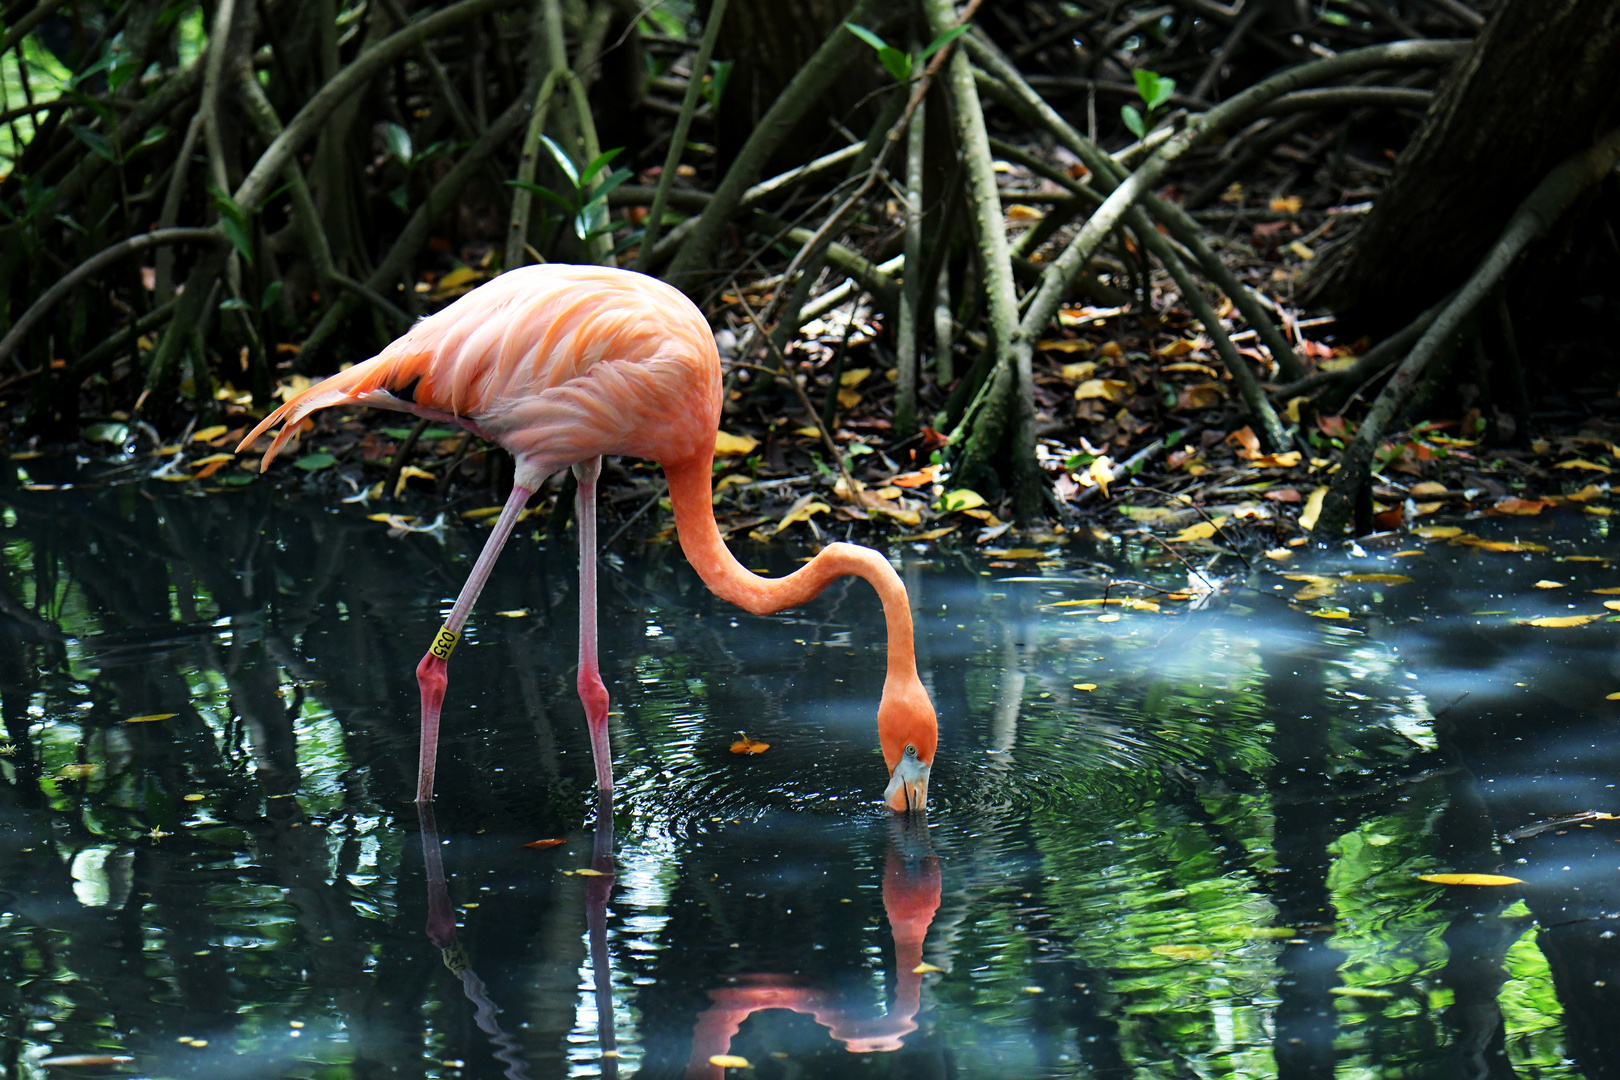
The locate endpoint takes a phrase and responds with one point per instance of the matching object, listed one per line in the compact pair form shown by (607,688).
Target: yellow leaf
(1279,554)
(1316,587)
(1577,463)
(729,1061)
(1437,532)
(1331,613)
(407,473)
(1509,546)
(150,718)
(1185,952)
(1200,530)
(961,499)
(1018,212)
(1587,494)
(1612,605)
(1065,345)
(1301,250)
(934,534)
(209,433)
(1313,508)
(854,376)
(1559,621)
(1380,579)
(1470,879)
(481,513)
(1545,584)
(586,871)
(1408,553)
(1147,514)
(1077,373)
(193,797)
(1277,461)
(1288,204)
(924,968)
(1202,369)
(1088,687)
(1611,697)
(1100,473)
(1110,617)
(212,459)
(292,386)
(1291,413)
(808,432)
(1605,592)
(515,613)
(1105,389)
(803,510)
(1180,347)
(727,443)
(1597,511)
(1132,602)
(848,399)
(1427,487)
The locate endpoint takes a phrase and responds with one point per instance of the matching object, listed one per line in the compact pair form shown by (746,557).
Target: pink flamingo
(562,365)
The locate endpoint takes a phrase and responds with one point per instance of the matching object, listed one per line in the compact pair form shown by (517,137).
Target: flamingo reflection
(911,891)
(441,931)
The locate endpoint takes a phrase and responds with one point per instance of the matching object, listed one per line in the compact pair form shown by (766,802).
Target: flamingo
(561,365)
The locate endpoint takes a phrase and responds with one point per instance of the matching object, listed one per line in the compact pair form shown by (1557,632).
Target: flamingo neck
(690,487)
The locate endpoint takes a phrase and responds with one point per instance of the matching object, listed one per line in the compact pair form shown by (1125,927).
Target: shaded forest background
(1007,255)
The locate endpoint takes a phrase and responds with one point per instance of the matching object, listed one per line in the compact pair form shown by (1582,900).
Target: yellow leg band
(444,643)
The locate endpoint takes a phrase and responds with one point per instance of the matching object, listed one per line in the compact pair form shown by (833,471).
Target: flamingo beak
(908,784)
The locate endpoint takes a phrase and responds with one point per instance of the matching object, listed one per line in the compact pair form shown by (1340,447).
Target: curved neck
(690,487)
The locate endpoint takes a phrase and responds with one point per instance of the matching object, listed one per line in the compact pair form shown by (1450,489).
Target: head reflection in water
(911,891)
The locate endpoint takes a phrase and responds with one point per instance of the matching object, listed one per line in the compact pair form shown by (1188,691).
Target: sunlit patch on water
(1160,842)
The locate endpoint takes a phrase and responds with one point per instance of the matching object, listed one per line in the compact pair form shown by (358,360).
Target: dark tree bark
(769,41)
(1538,85)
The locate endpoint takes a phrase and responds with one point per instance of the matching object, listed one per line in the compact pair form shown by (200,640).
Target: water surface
(1184,842)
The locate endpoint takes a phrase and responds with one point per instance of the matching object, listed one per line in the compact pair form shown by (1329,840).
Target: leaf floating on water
(1546,584)
(209,434)
(934,534)
(69,1060)
(729,1061)
(1606,592)
(1437,532)
(1509,546)
(1331,613)
(514,613)
(1112,616)
(1360,992)
(544,843)
(194,797)
(1611,697)
(1521,507)
(1557,621)
(1316,585)
(586,871)
(1184,952)
(1088,687)
(1470,879)
(77,771)
(1200,530)
(1380,579)
(924,968)
(1589,466)
(151,718)
(745,745)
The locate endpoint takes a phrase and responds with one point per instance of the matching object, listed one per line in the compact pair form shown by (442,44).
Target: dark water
(1206,865)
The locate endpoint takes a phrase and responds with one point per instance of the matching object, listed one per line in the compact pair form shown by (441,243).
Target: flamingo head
(909,733)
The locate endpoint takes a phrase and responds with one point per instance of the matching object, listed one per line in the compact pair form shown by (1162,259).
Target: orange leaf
(1521,507)
(745,745)
(544,843)
(916,479)
(1245,439)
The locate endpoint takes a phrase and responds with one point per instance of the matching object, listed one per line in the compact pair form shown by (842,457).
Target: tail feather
(383,372)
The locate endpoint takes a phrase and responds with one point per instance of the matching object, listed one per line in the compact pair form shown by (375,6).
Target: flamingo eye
(911,751)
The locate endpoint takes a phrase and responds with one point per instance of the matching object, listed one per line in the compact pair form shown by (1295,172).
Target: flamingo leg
(432,675)
(592,694)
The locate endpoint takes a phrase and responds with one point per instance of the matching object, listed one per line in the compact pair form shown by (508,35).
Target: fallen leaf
(1437,532)
(1381,579)
(934,534)
(586,871)
(1282,495)
(1470,879)
(1188,365)
(1201,530)
(69,1060)
(1427,487)
(1597,511)
(1313,508)
(1587,494)
(193,797)
(514,613)
(1545,584)
(1244,438)
(1109,617)
(1577,463)
(1604,592)
(854,376)
(1509,546)
(1277,461)
(745,745)
(1279,554)
(1611,697)
(1184,952)
(1301,250)
(1104,389)
(1088,687)
(544,843)
(410,472)
(960,499)
(729,1061)
(1612,605)
(1360,992)
(1408,553)
(1331,613)
(1147,514)
(808,432)
(1134,603)
(150,718)
(1558,621)
(1200,396)
(1521,507)
(1065,345)
(1286,204)
(848,399)
(916,479)
(1078,373)
(727,443)
(807,507)
(1019,212)
(209,433)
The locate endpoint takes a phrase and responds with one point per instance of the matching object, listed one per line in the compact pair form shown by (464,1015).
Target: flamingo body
(563,365)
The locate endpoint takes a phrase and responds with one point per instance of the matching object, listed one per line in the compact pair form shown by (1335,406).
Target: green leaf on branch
(271,297)
(235,303)
(714,83)
(315,462)
(1133,120)
(399,143)
(895,61)
(867,36)
(238,236)
(943,40)
(601,162)
(1154,89)
(564,162)
(97,142)
(156,135)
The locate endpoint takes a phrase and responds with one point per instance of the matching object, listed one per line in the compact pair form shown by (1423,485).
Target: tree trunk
(1538,86)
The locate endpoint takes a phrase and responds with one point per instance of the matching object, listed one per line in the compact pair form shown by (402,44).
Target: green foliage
(1155,91)
(714,83)
(898,62)
(585,208)
(234,221)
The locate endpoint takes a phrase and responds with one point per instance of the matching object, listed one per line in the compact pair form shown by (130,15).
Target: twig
(1179,558)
